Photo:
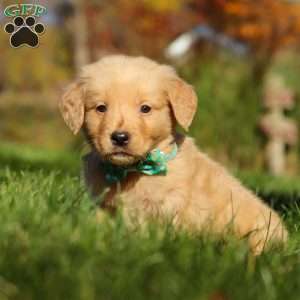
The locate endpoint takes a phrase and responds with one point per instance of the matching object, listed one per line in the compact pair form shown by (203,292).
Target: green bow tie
(155,163)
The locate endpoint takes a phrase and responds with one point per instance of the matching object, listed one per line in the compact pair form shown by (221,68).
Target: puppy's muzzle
(120,138)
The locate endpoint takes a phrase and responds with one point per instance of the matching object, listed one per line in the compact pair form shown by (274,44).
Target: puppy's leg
(268,230)
(260,224)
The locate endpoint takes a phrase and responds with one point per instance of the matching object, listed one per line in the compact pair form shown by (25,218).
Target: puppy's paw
(273,234)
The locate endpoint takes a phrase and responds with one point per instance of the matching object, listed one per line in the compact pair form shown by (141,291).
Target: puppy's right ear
(72,107)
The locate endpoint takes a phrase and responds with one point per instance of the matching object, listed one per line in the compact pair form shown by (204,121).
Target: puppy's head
(127,106)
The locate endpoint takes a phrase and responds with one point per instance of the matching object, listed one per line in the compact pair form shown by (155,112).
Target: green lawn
(53,248)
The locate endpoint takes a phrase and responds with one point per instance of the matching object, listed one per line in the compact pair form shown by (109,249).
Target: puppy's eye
(101,108)
(145,109)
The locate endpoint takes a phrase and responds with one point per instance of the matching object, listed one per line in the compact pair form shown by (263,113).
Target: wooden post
(279,130)
(80,36)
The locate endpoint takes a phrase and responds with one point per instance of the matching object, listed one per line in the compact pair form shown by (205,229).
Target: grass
(52,247)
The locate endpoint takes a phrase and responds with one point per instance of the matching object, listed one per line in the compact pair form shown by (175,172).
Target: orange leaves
(241,9)
(163,5)
(252,31)
(261,22)
(150,25)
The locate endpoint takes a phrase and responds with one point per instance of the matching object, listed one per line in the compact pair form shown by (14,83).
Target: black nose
(120,138)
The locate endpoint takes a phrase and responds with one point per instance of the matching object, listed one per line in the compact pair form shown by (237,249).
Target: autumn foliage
(266,25)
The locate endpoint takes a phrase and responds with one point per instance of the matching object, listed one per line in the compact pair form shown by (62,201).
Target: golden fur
(196,190)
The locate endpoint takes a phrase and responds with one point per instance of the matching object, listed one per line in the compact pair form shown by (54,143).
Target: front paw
(272,234)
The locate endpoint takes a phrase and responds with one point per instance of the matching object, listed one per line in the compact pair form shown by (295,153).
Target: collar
(155,163)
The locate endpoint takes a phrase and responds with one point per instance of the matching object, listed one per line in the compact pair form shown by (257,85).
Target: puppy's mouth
(120,154)
(122,158)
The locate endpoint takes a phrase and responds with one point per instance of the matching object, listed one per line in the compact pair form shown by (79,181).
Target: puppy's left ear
(72,107)
(183,100)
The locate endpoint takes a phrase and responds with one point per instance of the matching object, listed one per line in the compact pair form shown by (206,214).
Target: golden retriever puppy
(128,108)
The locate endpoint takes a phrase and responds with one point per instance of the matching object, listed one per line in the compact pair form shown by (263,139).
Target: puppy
(128,108)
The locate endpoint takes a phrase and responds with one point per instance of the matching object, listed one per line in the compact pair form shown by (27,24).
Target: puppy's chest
(146,196)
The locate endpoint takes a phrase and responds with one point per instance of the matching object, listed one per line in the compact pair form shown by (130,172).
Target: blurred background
(241,56)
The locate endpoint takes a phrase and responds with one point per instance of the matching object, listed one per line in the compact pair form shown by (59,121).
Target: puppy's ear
(72,107)
(183,101)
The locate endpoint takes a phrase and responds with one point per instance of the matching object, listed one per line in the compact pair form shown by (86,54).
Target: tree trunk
(81,55)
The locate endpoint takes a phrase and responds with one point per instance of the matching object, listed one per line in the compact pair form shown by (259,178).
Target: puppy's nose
(120,138)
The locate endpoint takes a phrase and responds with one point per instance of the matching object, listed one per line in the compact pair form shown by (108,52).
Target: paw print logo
(24,32)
